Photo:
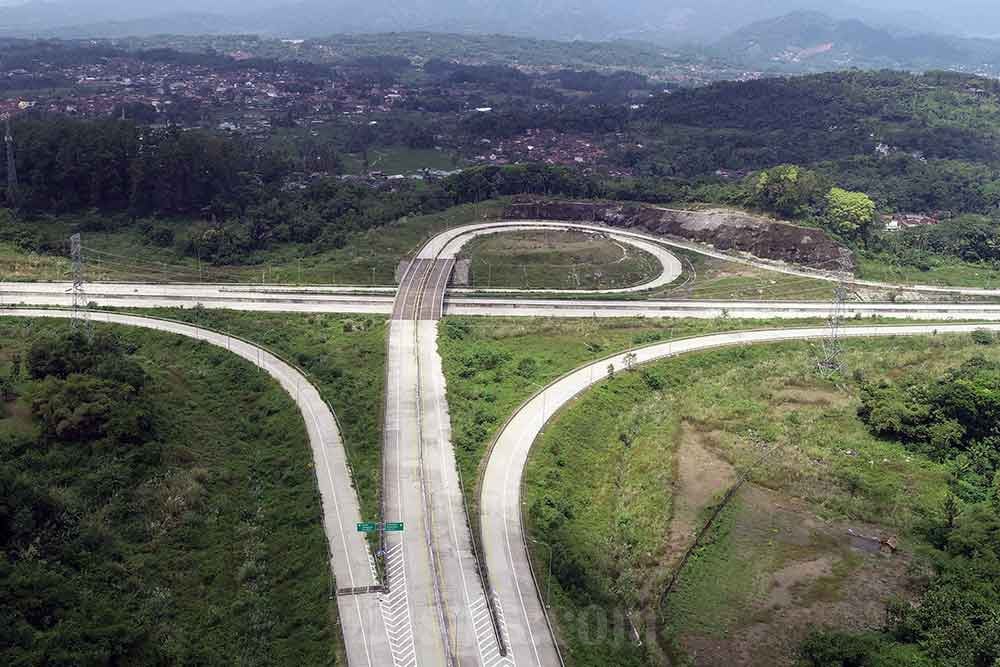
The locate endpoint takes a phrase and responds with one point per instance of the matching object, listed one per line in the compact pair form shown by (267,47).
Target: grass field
(941,272)
(402,160)
(16,265)
(620,480)
(202,544)
(556,260)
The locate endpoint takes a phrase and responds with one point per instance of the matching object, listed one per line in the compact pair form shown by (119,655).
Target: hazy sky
(978,17)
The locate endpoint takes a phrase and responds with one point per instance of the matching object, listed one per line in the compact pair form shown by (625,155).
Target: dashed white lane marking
(489,651)
(395,608)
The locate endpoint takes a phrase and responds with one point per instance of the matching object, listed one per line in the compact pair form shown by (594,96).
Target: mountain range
(804,41)
(658,21)
(765,34)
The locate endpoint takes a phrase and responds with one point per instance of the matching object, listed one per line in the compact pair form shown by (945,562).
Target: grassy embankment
(198,543)
(951,272)
(344,356)
(707,278)
(492,365)
(369,257)
(556,260)
(615,481)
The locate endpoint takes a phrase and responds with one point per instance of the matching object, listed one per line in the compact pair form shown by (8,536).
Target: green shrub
(983,337)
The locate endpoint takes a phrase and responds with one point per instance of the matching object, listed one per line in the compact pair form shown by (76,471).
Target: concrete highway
(284,300)
(449,617)
(436,610)
(503,537)
(365,636)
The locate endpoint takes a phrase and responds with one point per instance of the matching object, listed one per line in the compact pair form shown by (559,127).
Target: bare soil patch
(795,398)
(811,574)
(702,478)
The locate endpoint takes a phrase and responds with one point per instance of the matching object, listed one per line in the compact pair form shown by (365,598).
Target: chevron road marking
(395,608)
(489,651)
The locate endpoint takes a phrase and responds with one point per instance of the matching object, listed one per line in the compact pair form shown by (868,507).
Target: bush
(837,649)
(654,379)
(983,337)
(158,235)
(527,368)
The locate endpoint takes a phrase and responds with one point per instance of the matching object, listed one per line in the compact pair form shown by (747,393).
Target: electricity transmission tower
(8,140)
(831,362)
(79,298)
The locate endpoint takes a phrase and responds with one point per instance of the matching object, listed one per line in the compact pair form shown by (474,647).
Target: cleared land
(621,480)
(194,539)
(556,260)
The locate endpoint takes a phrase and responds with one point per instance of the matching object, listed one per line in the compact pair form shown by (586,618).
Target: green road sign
(394,527)
(367,527)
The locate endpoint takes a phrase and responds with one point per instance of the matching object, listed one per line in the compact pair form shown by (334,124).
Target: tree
(787,190)
(849,213)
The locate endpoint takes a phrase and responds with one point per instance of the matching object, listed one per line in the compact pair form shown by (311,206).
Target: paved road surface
(448,605)
(361,620)
(500,496)
(150,296)
(404,500)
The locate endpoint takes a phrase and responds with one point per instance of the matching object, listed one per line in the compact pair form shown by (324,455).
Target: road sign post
(394,527)
(367,527)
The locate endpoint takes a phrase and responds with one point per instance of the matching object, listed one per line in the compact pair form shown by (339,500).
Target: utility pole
(831,362)
(8,140)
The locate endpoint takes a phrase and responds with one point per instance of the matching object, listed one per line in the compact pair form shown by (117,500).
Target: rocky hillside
(723,229)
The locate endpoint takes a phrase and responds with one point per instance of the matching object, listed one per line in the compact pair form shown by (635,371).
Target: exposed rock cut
(725,230)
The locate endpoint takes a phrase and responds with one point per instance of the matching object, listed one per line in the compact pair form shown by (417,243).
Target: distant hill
(803,40)
(812,41)
(654,21)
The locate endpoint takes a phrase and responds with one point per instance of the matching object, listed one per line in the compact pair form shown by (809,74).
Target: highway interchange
(449,597)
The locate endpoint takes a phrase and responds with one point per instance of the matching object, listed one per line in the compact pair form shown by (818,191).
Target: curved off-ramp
(502,532)
(361,621)
(449,244)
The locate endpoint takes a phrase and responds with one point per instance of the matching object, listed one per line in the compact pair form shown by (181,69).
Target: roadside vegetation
(159,506)
(623,478)
(492,365)
(156,253)
(707,278)
(343,356)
